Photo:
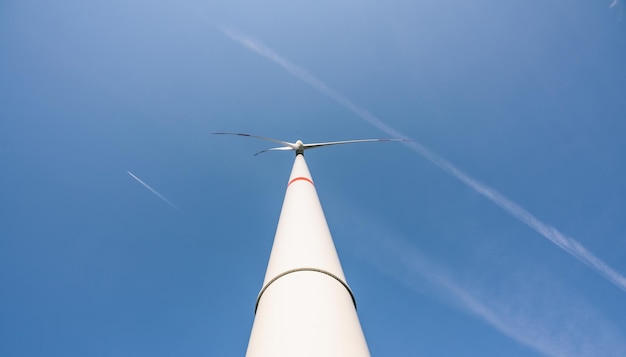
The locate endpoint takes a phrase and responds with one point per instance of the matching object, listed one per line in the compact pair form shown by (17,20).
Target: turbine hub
(299,147)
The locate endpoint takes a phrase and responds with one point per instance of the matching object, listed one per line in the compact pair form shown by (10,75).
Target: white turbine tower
(305,307)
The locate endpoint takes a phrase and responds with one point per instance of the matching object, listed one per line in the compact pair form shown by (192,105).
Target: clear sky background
(525,97)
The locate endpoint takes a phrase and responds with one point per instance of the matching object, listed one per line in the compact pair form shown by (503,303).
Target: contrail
(552,234)
(528,306)
(550,321)
(155,192)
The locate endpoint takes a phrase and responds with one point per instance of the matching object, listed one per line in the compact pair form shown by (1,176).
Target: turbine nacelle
(299,147)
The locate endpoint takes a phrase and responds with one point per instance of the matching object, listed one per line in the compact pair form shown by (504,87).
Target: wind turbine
(299,147)
(305,307)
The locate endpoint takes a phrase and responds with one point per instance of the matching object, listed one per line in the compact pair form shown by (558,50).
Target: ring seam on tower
(258,299)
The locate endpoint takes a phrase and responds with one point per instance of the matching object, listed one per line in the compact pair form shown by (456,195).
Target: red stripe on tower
(301,178)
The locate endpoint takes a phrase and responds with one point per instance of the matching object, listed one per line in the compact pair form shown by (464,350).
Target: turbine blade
(316,145)
(283,143)
(273,149)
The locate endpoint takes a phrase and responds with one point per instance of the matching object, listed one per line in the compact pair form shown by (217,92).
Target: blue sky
(524,98)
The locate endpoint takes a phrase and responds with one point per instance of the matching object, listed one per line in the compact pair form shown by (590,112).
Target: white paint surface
(305,313)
